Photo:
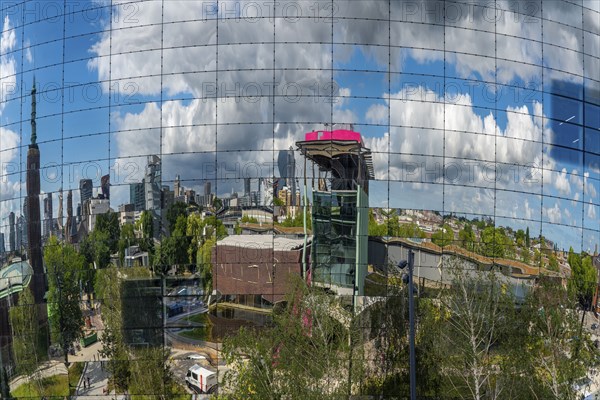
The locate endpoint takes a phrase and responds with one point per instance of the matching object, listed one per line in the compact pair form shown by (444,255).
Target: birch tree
(473,320)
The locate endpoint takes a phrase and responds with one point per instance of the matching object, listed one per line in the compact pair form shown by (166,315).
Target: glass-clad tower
(340,215)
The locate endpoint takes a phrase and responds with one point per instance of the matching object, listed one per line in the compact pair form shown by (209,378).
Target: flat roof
(264,242)
(320,150)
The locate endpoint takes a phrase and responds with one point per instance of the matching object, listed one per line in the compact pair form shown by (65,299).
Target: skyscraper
(153,191)
(85,190)
(207,188)
(152,183)
(11,233)
(48,221)
(136,196)
(59,219)
(20,228)
(287,171)
(291,173)
(247,186)
(2,246)
(176,186)
(69,224)
(105,186)
(33,213)
(281,182)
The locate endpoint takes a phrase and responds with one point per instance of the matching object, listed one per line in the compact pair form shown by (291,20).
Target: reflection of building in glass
(105,186)
(247,186)
(32,232)
(136,196)
(21,236)
(48,221)
(96,207)
(340,216)
(256,266)
(177,186)
(11,232)
(85,189)
(152,184)
(287,172)
(70,227)
(142,312)
(13,279)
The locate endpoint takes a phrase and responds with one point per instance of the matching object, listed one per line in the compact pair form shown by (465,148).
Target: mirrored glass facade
(171,171)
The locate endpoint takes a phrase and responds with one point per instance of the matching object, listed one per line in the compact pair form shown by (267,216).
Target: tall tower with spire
(34,231)
(33,114)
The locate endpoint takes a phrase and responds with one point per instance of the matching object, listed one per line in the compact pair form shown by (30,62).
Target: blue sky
(506,123)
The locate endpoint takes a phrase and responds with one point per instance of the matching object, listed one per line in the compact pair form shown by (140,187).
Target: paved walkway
(98,384)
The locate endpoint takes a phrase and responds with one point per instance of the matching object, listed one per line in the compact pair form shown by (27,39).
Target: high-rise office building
(168,197)
(177,186)
(286,164)
(11,232)
(105,186)
(69,223)
(247,186)
(48,220)
(207,189)
(152,184)
(136,196)
(59,218)
(2,245)
(21,230)
(85,190)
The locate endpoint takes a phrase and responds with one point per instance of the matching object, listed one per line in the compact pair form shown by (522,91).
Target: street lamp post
(408,279)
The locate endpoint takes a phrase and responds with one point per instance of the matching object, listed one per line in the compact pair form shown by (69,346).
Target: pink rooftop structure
(340,150)
(336,134)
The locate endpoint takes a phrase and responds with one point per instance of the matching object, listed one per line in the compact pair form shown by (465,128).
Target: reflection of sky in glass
(419,108)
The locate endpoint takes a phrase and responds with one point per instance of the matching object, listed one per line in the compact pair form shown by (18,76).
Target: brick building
(252,269)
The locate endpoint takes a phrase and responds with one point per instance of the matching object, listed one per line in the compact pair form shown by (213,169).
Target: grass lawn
(200,333)
(75,371)
(199,318)
(57,385)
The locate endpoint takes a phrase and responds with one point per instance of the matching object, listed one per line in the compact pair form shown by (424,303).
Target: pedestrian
(88,381)
(84,384)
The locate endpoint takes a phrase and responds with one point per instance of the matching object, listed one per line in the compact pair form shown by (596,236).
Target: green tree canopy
(64,264)
(495,243)
(467,237)
(583,278)
(109,224)
(443,236)
(174,212)
(305,347)
(25,333)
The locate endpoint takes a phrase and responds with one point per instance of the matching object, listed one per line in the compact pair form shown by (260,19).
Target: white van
(201,379)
